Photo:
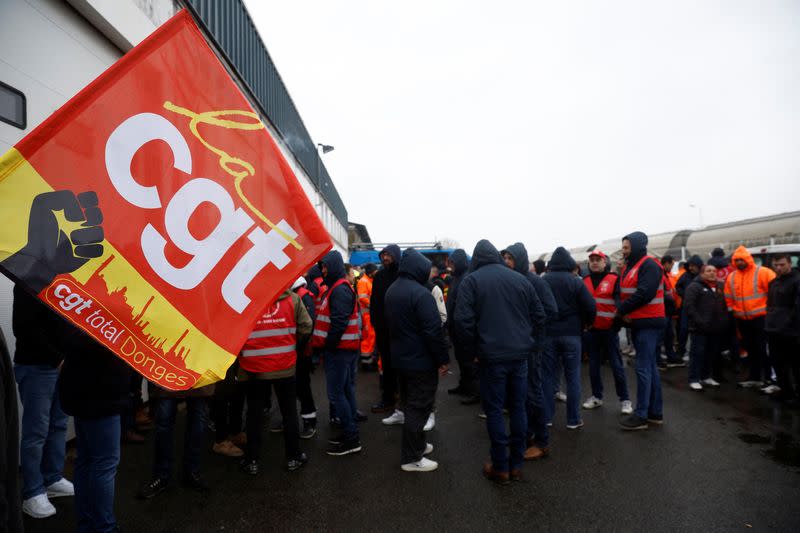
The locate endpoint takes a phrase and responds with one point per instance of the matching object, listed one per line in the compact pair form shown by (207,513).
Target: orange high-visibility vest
(604,298)
(272,345)
(747,296)
(351,339)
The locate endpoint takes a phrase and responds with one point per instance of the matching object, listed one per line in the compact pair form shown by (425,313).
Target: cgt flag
(155,212)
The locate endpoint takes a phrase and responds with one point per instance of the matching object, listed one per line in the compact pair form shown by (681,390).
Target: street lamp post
(699,214)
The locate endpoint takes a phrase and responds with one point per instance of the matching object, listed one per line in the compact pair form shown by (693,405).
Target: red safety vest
(351,339)
(302,291)
(604,298)
(627,286)
(321,290)
(272,346)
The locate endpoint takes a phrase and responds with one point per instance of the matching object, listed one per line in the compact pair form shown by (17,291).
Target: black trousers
(754,340)
(420,392)
(390,377)
(785,354)
(257,392)
(304,369)
(226,407)
(467,370)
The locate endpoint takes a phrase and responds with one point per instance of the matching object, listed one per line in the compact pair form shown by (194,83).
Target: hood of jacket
(695,260)
(333,260)
(485,254)
(460,262)
(742,253)
(416,266)
(313,273)
(394,252)
(520,255)
(638,242)
(561,261)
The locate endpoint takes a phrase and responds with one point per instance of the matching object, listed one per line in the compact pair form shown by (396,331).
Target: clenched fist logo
(50,251)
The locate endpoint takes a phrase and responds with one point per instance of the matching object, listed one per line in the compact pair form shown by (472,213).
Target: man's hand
(443,370)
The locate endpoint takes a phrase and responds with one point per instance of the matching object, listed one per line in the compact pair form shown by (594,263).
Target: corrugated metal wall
(229,24)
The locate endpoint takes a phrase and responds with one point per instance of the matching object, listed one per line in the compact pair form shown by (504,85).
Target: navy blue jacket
(650,277)
(341,301)
(542,288)
(415,328)
(576,305)
(380,284)
(460,268)
(688,277)
(496,315)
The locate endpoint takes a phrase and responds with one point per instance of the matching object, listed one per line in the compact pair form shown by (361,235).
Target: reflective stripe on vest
(351,338)
(628,285)
(603,297)
(741,306)
(272,345)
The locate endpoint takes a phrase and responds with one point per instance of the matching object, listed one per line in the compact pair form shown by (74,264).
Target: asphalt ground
(725,460)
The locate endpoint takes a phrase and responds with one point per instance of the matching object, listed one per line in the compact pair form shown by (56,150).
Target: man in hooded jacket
(390,259)
(497,319)
(516,258)
(576,311)
(467,373)
(418,349)
(693,266)
(641,290)
(339,309)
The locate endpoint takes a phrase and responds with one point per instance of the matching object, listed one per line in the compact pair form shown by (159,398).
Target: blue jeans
(648,382)
(567,351)
(95,470)
(339,368)
(604,343)
(196,422)
(538,432)
(498,380)
(44,428)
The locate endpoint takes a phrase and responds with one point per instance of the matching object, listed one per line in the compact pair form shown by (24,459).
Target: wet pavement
(725,460)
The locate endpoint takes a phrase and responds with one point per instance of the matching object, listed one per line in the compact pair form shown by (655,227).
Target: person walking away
(196,423)
(364,291)
(497,319)
(305,366)
(576,311)
(538,433)
(93,388)
(337,333)
(390,259)
(10,502)
(602,336)
(467,372)
(782,324)
(420,354)
(707,314)
(37,359)
(746,295)
(641,293)
(267,362)
(693,267)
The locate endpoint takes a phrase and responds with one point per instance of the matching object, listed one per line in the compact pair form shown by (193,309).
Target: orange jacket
(746,290)
(675,278)
(364,291)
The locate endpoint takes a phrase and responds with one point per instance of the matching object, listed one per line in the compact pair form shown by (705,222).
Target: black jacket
(415,328)
(650,277)
(460,268)
(705,308)
(783,305)
(10,490)
(380,284)
(93,382)
(313,273)
(341,300)
(496,315)
(576,305)
(37,329)
(688,277)
(542,288)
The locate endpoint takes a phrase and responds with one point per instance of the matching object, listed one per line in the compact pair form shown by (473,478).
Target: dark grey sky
(547,122)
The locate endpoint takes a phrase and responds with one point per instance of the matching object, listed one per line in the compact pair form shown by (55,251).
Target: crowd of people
(517,329)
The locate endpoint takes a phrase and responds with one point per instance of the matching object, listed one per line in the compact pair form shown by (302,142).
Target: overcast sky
(546,122)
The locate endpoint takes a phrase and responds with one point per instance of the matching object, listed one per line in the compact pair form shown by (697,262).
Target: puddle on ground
(785,449)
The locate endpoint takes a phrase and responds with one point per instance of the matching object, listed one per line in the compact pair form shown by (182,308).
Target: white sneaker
(561,396)
(592,403)
(771,389)
(62,487)
(627,407)
(695,385)
(747,384)
(428,449)
(38,507)
(423,465)
(711,382)
(430,423)
(395,418)
(686,358)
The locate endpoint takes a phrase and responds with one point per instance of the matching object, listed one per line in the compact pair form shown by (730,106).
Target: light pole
(699,214)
